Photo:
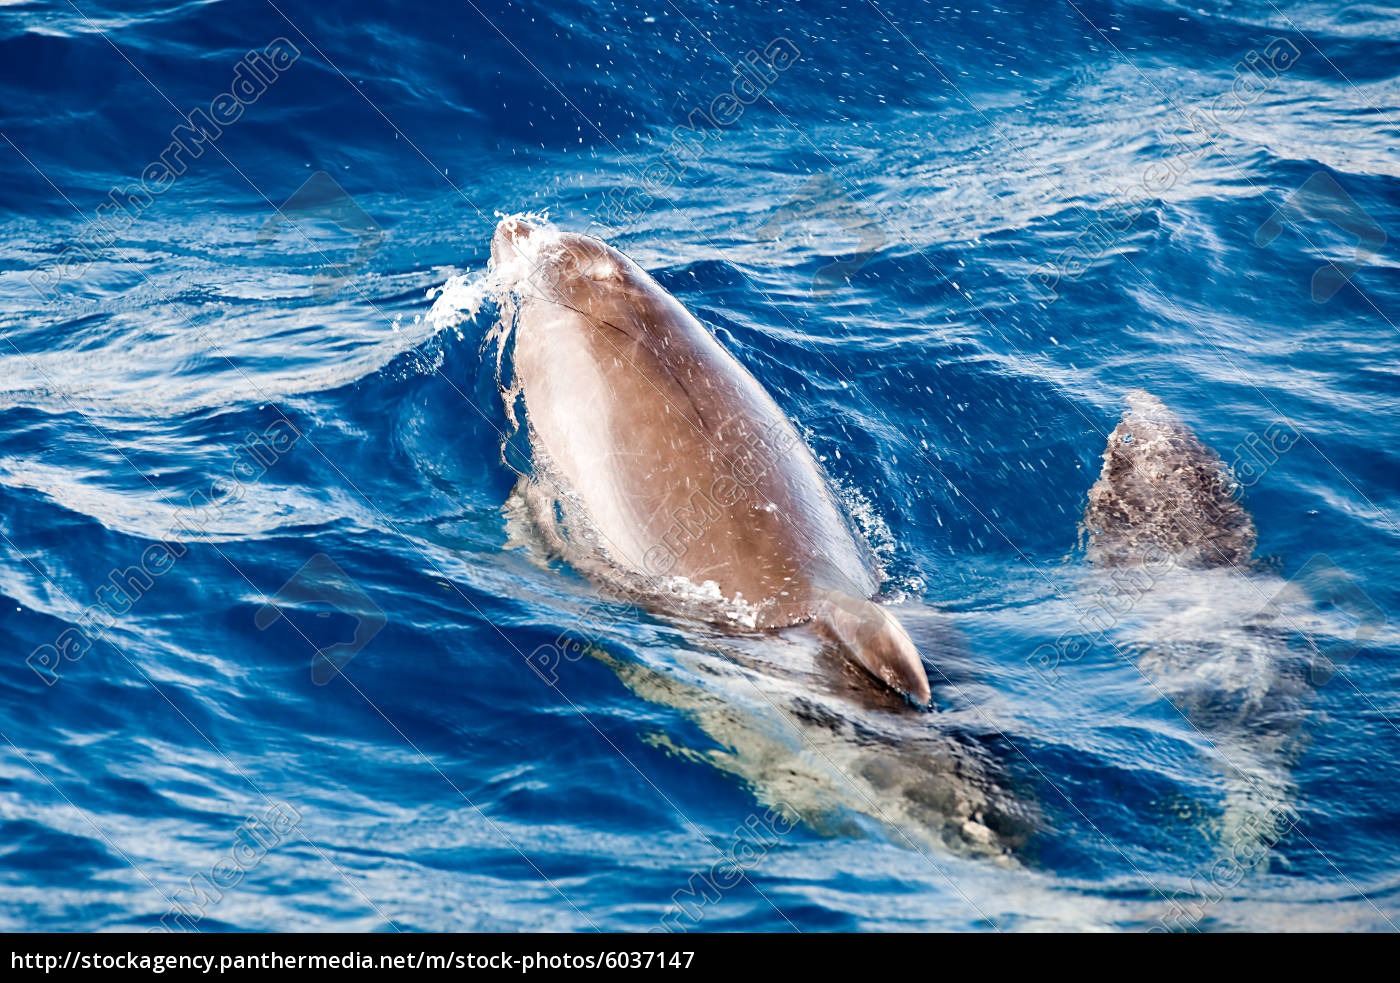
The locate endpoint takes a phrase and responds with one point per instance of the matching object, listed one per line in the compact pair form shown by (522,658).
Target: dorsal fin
(1162,492)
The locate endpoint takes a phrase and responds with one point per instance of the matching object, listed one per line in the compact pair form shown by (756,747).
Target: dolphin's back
(684,465)
(690,485)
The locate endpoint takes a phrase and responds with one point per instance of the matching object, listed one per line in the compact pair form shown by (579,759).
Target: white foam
(459,299)
(709,597)
(502,283)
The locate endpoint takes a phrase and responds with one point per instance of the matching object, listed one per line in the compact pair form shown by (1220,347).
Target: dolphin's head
(576,271)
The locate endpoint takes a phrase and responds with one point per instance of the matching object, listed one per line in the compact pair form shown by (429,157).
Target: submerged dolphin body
(834,757)
(672,475)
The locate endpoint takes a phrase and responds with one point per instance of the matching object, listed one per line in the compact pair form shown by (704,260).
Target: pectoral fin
(871,637)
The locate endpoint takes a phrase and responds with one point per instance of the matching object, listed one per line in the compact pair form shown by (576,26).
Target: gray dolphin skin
(695,490)
(1163,491)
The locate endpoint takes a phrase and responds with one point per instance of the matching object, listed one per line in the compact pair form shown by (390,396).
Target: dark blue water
(948,240)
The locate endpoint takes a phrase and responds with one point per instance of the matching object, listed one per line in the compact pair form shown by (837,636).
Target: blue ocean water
(948,240)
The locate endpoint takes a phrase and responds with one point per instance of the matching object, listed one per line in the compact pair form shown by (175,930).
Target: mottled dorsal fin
(1163,493)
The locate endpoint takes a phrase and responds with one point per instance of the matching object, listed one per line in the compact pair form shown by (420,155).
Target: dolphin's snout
(511,233)
(891,657)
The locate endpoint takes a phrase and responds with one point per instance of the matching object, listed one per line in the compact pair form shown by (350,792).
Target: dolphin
(669,473)
(1205,626)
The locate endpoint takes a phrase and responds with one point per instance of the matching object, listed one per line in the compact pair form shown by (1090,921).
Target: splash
(875,532)
(502,282)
